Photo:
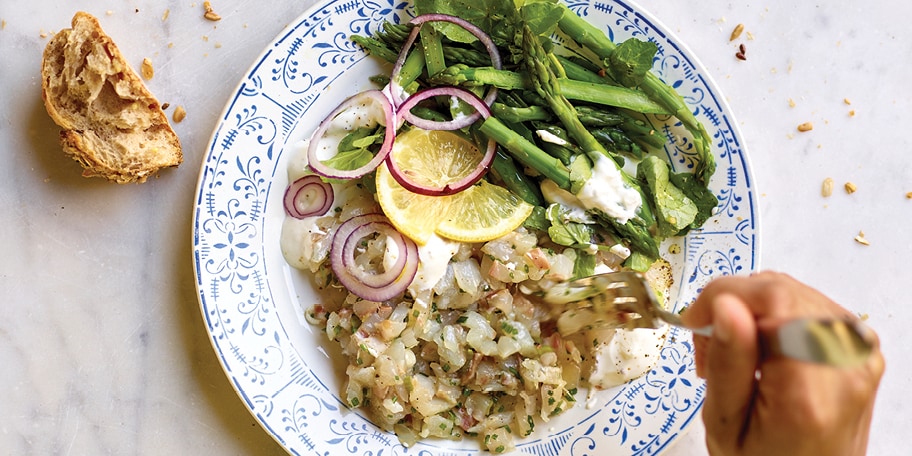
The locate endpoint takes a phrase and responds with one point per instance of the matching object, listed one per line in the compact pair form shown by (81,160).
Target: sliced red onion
(308,196)
(394,91)
(376,287)
(388,121)
(454,187)
(483,37)
(481,108)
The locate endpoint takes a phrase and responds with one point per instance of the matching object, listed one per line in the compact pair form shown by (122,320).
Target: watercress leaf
(584,266)
(355,136)
(674,210)
(630,62)
(703,197)
(350,159)
(498,18)
(367,141)
(542,16)
(566,228)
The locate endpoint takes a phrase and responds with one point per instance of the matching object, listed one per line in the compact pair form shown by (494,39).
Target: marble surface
(102,346)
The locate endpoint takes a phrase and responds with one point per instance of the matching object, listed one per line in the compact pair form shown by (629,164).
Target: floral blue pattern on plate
(253,302)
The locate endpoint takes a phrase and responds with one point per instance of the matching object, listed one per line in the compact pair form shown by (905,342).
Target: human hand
(776,406)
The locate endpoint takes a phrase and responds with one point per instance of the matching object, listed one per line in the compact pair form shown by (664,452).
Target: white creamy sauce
(367,114)
(620,250)
(434,257)
(547,136)
(391,254)
(554,194)
(295,241)
(607,192)
(626,355)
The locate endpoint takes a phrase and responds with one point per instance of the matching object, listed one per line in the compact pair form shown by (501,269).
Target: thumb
(731,363)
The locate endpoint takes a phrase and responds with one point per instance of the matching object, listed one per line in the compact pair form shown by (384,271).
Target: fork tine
(612,300)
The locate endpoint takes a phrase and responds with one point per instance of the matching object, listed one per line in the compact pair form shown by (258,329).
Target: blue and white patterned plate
(253,302)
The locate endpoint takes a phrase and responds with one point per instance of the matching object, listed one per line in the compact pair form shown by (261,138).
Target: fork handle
(832,342)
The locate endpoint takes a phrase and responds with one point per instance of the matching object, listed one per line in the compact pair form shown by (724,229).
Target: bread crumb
(42,34)
(209,13)
(807,126)
(861,239)
(736,33)
(846,101)
(179,114)
(852,113)
(827,189)
(218,45)
(166,14)
(3,24)
(792,103)
(146,69)
(750,36)
(850,187)
(109,13)
(908,195)
(864,317)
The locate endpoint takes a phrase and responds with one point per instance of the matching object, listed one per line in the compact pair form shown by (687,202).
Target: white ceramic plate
(253,302)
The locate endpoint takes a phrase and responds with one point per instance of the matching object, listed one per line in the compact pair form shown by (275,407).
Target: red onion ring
(308,196)
(366,285)
(462,184)
(393,90)
(481,108)
(389,119)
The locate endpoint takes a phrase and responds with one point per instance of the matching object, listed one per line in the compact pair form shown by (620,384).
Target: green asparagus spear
(504,169)
(595,40)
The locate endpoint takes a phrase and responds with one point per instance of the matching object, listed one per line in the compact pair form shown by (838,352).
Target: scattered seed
(146,69)
(852,113)
(166,14)
(908,195)
(165,106)
(861,239)
(740,56)
(791,103)
(210,14)
(179,114)
(3,24)
(736,32)
(750,36)
(850,187)
(807,126)
(827,189)
(742,48)
(846,101)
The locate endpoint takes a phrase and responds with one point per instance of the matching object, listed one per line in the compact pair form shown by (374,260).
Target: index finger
(771,296)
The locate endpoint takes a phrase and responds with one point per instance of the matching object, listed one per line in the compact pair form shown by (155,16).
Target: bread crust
(110,122)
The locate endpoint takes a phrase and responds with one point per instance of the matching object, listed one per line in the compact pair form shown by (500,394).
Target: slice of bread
(111,123)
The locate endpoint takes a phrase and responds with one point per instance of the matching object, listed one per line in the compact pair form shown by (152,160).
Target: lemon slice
(479,213)
(437,162)
(483,212)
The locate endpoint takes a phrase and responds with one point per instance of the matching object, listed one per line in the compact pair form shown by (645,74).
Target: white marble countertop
(102,346)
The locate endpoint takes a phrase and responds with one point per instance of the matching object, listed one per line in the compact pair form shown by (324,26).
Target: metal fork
(626,300)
